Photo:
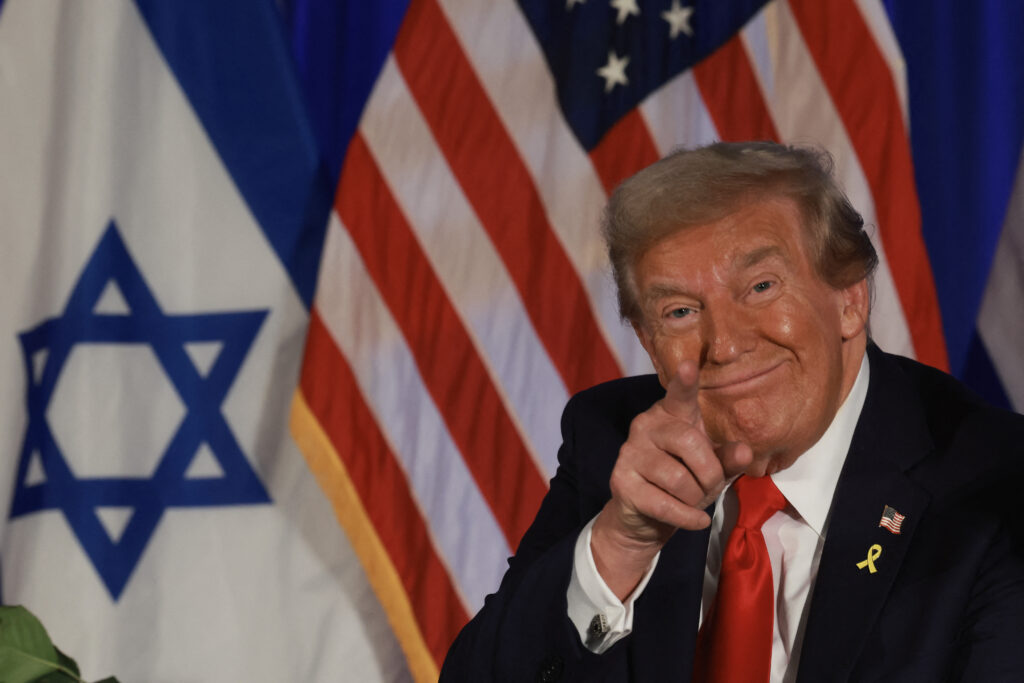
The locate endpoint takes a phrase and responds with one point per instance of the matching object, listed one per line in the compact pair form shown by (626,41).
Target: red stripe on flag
(331,391)
(860,83)
(733,95)
(625,149)
(453,373)
(499,187)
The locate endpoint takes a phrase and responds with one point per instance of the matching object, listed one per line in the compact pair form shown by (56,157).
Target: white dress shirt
(794,536)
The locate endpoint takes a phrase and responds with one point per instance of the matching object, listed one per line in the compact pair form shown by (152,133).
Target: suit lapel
(848,598)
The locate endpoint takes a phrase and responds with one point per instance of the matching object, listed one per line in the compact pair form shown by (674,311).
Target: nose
(728,333)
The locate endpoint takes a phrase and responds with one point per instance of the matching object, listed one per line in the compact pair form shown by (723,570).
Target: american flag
(463,292)
(891,520)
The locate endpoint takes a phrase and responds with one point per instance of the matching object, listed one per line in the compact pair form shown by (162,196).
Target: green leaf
(27,655)
(26,652)
(57,677)
(66,662)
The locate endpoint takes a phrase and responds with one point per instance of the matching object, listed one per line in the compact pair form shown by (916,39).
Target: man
(888,544)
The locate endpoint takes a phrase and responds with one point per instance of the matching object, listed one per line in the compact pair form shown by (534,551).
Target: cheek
(806,327)
(785,327)
(787,323)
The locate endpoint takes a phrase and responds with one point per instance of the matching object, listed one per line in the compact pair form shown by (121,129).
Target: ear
(647,341)
(856,306)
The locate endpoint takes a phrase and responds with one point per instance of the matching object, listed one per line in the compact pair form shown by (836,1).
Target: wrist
(621,559)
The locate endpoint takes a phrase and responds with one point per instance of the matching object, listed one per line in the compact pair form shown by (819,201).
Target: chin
(754,425)
(766,441)
(758,468)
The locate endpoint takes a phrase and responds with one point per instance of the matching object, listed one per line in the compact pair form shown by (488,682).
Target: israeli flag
(161,212)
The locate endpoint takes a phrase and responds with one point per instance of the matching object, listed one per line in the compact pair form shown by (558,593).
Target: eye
(680,312)
(763,286)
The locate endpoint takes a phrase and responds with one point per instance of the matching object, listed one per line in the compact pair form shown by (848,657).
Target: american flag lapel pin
(891,519)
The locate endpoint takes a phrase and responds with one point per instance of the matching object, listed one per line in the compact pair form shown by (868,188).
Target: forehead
(768,230)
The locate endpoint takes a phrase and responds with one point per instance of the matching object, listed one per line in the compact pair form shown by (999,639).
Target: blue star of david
(145,323)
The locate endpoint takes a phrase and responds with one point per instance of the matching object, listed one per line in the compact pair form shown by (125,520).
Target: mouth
(741,382)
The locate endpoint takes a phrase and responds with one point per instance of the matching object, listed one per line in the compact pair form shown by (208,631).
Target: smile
(742,382)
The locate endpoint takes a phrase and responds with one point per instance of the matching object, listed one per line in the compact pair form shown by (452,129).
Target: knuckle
(629,453)
(641,424)
(662,509)
(692,440)
(617,481)
(621,483)
(677,478)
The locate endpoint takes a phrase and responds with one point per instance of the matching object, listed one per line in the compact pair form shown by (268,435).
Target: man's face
(777,347)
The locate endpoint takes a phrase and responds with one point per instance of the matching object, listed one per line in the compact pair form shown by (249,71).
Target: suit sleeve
(523,632)
(990,644)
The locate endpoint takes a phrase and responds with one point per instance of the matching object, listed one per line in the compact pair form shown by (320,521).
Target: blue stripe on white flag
(241,100)
(100,131)
(339,50)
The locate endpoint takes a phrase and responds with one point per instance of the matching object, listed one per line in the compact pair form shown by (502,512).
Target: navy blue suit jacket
(947,601)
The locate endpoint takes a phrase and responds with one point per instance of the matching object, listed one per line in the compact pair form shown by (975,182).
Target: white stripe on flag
(511,66)
(386,372)
(877,22)
(676,116)
(465,261)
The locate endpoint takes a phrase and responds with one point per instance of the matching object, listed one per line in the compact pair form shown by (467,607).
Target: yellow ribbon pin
(873,553)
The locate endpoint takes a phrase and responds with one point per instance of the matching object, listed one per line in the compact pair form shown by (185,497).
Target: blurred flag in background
(378,222)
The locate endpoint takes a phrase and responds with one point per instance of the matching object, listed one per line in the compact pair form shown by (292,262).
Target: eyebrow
(656,292)
(752,258)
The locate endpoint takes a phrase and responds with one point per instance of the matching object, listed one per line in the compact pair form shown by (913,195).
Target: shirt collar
(817,470)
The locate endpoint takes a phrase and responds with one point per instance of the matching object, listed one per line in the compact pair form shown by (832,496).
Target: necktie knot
(758,499)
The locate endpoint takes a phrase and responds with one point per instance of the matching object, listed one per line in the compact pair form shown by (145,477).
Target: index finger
(681,393)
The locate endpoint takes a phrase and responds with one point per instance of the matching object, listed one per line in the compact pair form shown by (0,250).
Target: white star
(569,4)
(625,7)
(678,19)
(614,72)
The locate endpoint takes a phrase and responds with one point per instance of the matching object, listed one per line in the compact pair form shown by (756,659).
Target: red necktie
(735,641)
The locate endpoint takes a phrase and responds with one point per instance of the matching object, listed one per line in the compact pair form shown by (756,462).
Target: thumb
(681,393)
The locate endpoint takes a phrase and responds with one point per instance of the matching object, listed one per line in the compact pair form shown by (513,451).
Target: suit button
(550,670)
